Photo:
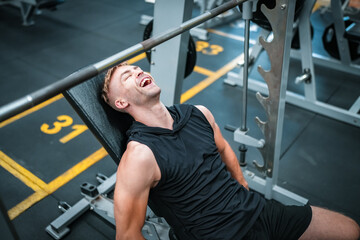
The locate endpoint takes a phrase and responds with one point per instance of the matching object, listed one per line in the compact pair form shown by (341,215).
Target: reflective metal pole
(247,15)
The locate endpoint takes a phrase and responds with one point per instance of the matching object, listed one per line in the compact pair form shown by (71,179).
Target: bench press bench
(109,127)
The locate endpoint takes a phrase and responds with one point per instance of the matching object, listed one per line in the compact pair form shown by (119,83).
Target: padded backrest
(108,125)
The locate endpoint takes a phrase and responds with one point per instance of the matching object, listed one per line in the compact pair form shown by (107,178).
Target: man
(178,158)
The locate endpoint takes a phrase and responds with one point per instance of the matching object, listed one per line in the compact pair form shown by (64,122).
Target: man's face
(131,86)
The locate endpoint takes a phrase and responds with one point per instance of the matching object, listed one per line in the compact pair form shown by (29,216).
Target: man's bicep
(130,201)
(135,176)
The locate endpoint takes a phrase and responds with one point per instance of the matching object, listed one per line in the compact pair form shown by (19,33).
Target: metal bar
(70,215)
(245,74)
(88,72)
(355,108)
(278,193)
(247,15)
(45,93)
(298,100)
(59,227)
(343,45)
(283,86)
(330,63)
(243,147)
(306,49)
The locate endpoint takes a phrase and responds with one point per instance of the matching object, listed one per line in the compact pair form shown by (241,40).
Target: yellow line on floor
(229,35)
(319,4)
(203,71)
(21,173)
(27,203)
(209,80)
(31,110)
(76,170)
(57,183)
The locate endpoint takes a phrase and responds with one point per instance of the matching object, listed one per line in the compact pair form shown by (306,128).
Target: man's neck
(155,115)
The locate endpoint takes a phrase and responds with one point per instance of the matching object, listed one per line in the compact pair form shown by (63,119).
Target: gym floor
(44,162)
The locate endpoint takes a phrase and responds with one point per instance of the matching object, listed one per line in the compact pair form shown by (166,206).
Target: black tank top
(196,194)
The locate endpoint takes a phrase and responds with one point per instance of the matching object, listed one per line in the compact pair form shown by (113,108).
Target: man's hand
(244,183)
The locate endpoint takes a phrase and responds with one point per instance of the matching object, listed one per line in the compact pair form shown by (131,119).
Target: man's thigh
(327,224)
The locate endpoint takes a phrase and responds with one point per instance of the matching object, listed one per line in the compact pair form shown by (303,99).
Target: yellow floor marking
(76,170)
(21,173)
(57,183)
(229,35)
(136,58)
(27,203)
(320,3)
(209,80)
(203,71)
(78,129)
(31,110)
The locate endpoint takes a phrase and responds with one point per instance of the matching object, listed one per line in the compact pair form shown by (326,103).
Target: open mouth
(145,81)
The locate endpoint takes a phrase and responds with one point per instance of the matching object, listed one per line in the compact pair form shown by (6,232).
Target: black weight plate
(191,51)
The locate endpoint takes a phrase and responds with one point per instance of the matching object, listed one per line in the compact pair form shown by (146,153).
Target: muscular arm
(136,174)
(227,154)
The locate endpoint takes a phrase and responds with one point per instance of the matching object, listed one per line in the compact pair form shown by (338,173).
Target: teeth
(145,80)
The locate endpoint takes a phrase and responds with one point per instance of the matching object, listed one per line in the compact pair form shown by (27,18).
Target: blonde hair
(107,79)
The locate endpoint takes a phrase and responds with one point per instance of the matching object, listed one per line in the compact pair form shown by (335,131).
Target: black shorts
(277,221)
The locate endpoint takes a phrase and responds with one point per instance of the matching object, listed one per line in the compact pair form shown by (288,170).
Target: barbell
(86,73)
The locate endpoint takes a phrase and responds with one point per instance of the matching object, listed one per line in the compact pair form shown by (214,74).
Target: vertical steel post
(306,49)
(342,43)
(169,59)
(290,5)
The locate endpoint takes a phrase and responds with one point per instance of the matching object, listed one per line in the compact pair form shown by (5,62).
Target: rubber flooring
(47,153)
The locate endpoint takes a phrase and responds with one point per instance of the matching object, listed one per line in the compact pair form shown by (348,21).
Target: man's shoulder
(138,148)
(138,153)
(206,113)
(185,106)
(202,108)
(139,164)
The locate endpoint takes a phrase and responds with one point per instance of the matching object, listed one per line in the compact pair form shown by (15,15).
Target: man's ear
(121,103)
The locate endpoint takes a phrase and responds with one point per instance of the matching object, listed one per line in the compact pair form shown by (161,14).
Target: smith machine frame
(168,32)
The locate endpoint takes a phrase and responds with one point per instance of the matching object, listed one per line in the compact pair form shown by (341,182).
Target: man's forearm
(229,158)
(124,236)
